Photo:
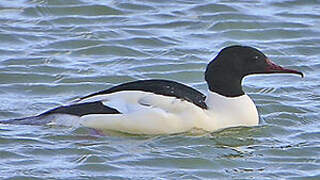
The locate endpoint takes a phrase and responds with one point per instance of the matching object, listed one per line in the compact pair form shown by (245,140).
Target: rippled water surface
(52,52)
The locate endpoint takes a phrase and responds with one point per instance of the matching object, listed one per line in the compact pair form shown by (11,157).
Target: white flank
(148,113)
(143,113)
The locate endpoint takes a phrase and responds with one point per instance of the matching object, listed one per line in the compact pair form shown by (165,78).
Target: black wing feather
(161,87)
(83,109)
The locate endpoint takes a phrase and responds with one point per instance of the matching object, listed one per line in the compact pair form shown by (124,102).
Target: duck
(158,106)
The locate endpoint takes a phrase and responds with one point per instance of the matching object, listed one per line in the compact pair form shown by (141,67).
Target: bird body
(166,107)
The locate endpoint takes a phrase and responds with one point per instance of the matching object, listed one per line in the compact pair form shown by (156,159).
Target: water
(52,52)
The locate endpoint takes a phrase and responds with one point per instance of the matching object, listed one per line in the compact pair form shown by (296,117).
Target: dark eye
(256,58)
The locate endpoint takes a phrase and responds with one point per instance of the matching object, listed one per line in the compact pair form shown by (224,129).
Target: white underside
(148,113)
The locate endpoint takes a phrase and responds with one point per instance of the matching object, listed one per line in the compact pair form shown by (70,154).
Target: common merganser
(165,107)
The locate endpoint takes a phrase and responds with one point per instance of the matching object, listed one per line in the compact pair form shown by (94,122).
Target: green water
(52,52)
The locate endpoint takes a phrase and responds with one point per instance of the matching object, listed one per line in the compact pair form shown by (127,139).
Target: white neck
(232,111)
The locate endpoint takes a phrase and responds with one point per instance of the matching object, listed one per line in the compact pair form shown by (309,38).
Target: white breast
(231,111)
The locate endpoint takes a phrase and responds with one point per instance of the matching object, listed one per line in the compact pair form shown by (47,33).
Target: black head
(225,72)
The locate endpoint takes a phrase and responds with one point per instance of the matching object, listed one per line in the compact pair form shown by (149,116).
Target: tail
(31,120)
(64,115)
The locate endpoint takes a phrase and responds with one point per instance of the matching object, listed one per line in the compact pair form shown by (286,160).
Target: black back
(160,87)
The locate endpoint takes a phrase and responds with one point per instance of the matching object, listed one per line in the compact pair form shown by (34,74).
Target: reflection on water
(52,52)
